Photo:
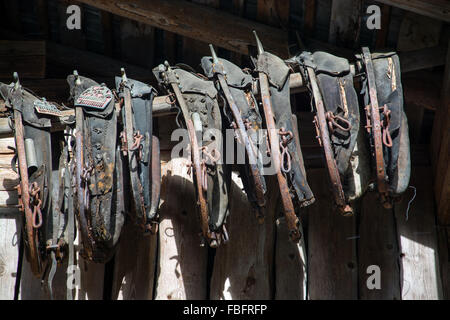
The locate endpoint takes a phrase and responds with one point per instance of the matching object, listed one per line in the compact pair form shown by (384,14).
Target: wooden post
(181,266)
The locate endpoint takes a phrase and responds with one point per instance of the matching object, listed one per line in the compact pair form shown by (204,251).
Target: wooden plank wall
(259,262)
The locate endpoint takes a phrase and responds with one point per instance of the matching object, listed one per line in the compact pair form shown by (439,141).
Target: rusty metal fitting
(336,121)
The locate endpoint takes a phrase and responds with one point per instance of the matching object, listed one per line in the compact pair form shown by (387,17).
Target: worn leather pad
(278,74)
(240,85)
(105,217)
(397,159)
(141,102)
(201,97)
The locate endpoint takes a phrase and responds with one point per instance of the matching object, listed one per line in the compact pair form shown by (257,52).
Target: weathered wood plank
(134,270)
(238,10)
(331,245)
(274,13)
(13,17)
(92,277)
(243,268)
(422,89)
(8,179)
(422,59)
(137,42)
(89,63)
(8,199)
(27,58)
(31,288)
(90,286)
(42,13)
(6,144)
(181,266)
(290,266)
(418,32)
(107,32)
(194,50)
(444,259)
(441,115)
(198,22)
(345,22)
(441,143)
(418,240)
(377,245)
(309,15)
(10,228)
(437,9)
(382,34)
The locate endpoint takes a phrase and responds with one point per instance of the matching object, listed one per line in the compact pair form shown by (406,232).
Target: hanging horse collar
(241,131)
(171,79)
(374,126)
(324,122)
(275,142)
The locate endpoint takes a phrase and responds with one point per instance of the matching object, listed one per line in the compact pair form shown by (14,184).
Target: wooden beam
(199,22)
(437,9)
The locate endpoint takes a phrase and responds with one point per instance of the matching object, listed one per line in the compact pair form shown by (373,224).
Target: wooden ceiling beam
(199,22)
(437,9)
